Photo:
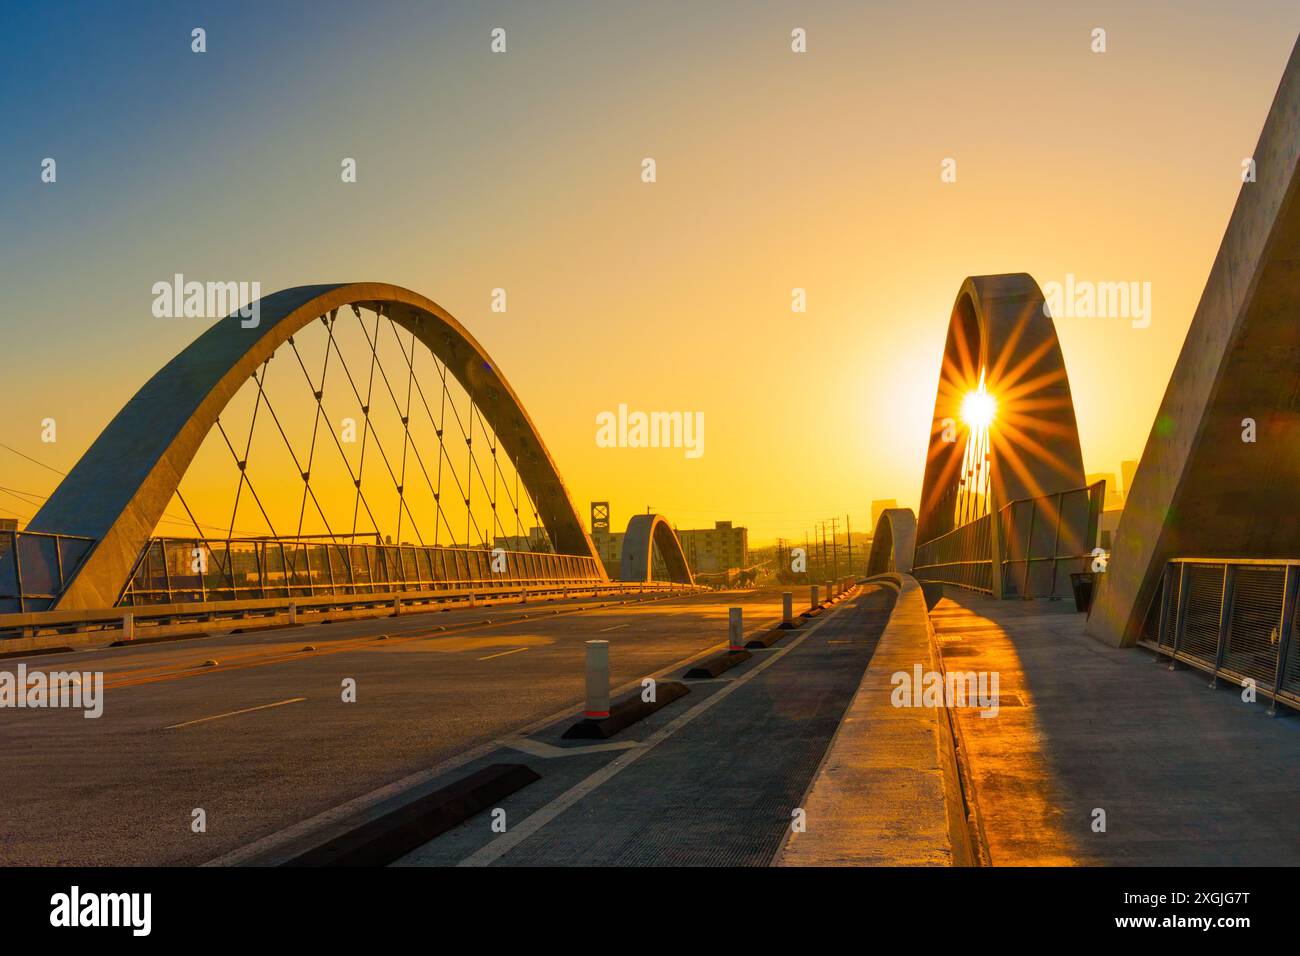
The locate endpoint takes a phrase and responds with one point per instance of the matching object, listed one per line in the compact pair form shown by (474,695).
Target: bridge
(338,593)
(419,390)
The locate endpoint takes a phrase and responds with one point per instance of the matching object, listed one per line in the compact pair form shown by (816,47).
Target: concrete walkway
(1186,775)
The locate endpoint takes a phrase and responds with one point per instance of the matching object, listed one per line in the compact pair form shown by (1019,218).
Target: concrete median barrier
(888,791)
(390,836)
(626,711)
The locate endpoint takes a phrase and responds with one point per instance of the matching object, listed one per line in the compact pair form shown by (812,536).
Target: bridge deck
(1186,775)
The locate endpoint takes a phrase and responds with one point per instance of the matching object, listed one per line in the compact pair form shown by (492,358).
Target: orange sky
(775,170)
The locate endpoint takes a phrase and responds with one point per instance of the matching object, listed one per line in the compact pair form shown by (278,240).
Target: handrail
(1233,618)
(31,621)
(969,552)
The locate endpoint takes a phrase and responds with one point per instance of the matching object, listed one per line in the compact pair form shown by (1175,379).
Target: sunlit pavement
(1184,774)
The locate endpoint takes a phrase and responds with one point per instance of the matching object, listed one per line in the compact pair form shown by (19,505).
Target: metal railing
(35,567)
(201,618)
(963,557)
(1059,534)
(1032,545)
(1233,618)
(181,570)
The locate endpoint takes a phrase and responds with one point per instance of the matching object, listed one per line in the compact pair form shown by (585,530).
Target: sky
(522,170)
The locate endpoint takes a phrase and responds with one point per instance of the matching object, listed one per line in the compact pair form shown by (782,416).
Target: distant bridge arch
(644,534)
(119,489)
(893,542)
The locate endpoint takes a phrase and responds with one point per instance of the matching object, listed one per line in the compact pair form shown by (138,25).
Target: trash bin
(1081,581)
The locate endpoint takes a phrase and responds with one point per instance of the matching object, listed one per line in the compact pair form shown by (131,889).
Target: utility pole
(823,531)
(848,530)
(835,547)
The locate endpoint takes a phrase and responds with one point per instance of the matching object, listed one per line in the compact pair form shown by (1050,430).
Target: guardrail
(1233,618)
(183,618)
(35,567)
(181,570)
(1031,545)
(963,557)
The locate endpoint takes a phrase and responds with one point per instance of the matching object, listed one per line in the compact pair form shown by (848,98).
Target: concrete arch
(893,543)
(119,488)
(643,533)
(1000,330)
(1201,490)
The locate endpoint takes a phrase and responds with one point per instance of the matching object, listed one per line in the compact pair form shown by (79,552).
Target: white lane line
(503,654)
(236,713)
(521,831)
(614,627)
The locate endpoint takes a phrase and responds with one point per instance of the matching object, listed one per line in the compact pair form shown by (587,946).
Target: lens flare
(978,407)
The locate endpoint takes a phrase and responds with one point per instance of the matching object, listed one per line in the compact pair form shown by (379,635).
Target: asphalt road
(264,739)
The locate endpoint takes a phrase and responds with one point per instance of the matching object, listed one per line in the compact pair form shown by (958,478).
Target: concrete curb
(889,790)
(713,666)
(380,841)
(768,637)
(626,712)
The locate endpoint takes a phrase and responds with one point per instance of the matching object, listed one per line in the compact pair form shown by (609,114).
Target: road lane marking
(235,713)
(614,627)
(539,818)
(503,653)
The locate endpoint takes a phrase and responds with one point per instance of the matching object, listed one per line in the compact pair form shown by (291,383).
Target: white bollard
(293,612)
(787,607)
(812,600)
(397,605)
(829,595)
(471,599)
(735,629)
(128,626)
(597,680)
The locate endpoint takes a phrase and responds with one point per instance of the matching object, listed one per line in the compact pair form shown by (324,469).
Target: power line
(31,459)
(17,492)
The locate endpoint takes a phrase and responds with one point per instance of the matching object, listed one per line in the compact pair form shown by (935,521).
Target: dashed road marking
(236,713)
(503,654)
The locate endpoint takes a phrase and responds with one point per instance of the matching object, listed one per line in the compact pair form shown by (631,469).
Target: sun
(978,407)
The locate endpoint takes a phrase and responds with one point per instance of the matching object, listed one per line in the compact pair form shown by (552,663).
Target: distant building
(878,507)
(716,549)
(1114,497)
(1112,507)
(8,524)
(534,541)
(1128,469)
